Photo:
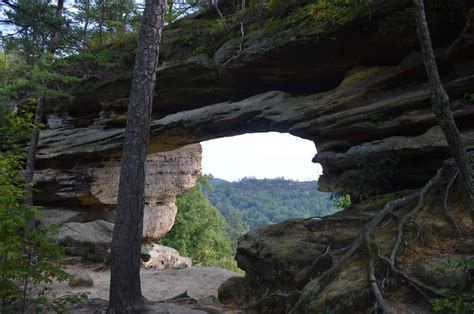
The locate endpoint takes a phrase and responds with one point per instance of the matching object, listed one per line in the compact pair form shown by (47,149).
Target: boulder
(61,215)
(233,291)
(466,247)
(90,240)
(80,280)
(442,272)
(157,256)
(349,292)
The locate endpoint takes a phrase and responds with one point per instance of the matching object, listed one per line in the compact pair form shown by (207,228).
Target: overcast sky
(260,155)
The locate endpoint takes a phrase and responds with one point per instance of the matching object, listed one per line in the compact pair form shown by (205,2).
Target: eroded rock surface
(376,106)
(90,188)
(90,240)
(157,256)
(285,264)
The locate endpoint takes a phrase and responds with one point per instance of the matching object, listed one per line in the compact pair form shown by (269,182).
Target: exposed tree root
(364,238)
(448,214)
(327,277)
(373,280)
(415,283)
(412,213)
(278,294)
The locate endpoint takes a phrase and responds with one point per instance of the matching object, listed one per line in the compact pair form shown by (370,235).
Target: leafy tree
(28,256)
(263,201)
(200,230)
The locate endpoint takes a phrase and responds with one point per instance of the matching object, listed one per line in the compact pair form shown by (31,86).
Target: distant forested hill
(264,201)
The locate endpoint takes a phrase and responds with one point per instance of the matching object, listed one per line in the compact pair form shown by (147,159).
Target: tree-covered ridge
(200,231)
(266,201)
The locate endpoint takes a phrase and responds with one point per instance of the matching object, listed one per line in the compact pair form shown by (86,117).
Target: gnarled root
(364,238)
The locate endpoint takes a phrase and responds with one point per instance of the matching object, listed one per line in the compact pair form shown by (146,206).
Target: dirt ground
(157,285)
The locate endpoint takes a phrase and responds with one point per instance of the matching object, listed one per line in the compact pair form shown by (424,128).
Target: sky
(260,155)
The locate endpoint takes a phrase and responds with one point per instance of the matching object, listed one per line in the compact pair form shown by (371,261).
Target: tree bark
(125,289)
(57,28)
(440,105)
(32,148)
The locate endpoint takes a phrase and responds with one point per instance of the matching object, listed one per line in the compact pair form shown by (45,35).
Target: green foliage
(20,81)
(34,21)
(469,97)
(457,305)
(375,117)
(340,200)
(200,50)
(457,301)
(266,201)
(199,230)
(465,263)
(59,304)
(28,256)
(374,176)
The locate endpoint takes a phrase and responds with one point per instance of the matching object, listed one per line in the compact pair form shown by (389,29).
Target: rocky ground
(184,289)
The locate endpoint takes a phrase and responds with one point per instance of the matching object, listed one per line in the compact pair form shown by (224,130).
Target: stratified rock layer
(91,188)
(376,106)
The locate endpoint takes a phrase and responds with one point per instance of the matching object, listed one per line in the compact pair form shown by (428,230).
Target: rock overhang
(202,97)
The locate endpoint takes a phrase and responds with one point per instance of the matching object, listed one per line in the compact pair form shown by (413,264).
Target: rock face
(284,263)
(441,272)
(91,187)
(90,240)
(81,280)
(372,103)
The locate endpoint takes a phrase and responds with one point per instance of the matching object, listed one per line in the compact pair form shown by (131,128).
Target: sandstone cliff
(357,88)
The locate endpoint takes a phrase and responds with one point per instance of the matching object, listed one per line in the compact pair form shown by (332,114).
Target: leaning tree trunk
(32,149)
(31,157)
(440,104)
(125,289)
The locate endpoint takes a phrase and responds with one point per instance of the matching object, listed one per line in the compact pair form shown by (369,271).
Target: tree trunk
(55,30)
(125,289)
(440,104)
(86,22)
(31,157)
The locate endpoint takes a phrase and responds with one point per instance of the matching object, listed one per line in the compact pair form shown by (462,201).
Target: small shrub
(375,117)
(341,200)
(457,301)
(374,176)
(469,97)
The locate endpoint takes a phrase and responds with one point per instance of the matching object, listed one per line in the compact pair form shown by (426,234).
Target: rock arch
(358,91)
